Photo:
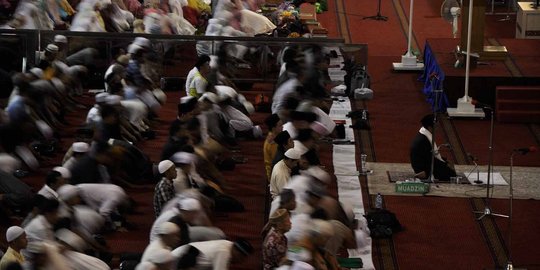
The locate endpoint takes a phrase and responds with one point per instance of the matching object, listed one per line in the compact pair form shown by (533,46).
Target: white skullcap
(38,72)
(168,228)
(145,266)
(300,265)
(319,128)
(66,192)
(52,48)
(165,165)
(60,38)
(35,247)
(186,99)
(13,233)
(113,99)
(300,147)
(80,147)
(318,173)
(184,158)
(213,98)
(102,97)
(133,48)
(159,256)
(142,42)
(296,253)
(71,239)
(190,204)
(292,154)
(66,174)
(225,92)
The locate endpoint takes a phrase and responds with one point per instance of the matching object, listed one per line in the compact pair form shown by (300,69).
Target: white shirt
(48,192)
(164,217)
(103,198)
(39,229)
(428,135)
(284,91)
(80,261)
(154,245)
(189,78)
(281,174)
(94,115)
(214,254)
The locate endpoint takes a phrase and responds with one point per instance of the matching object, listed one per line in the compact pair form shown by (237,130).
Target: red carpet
(440,233)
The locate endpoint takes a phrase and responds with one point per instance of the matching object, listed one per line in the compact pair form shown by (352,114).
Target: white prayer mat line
(496,178)
(346,172)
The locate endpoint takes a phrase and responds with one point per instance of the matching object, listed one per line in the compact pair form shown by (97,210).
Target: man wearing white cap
(196,89)
(77,151)
(281,173)
(53,181)
(190,212)
(106,199)
(16,239)
(94,116)
(62,42)
(216,254)
(164,190)
(186,177)
(168,239)
(48,56)
(73,252)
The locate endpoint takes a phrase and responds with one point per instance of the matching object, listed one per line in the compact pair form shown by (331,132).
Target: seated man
(420,154)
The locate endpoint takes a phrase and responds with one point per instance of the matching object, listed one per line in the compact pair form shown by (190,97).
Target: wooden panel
(478,25)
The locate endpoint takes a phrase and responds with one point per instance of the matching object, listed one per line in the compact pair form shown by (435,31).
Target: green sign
(412,187)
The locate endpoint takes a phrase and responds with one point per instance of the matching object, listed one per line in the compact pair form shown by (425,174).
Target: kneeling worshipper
(281,173)
(275,243)
(164,190)
(168,239)
(216,254)
(16,240)
(420,154)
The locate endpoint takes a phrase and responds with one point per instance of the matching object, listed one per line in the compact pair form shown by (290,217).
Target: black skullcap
(304,134)
(282,137)
(427,121)
(319,213)
(243,246)
(286,195)
(271,121)
(48,206)
(291,103)
(202,60)
(187,104)
(304,116)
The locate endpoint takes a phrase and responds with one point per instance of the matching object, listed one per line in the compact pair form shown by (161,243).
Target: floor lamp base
(488,212)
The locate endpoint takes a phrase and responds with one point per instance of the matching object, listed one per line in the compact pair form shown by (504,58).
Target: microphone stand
(433,150)
(477,181)
(487,210)
(509,265)
(377,17)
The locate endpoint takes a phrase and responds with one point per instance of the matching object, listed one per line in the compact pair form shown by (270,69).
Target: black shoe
(362,125)
(21,173)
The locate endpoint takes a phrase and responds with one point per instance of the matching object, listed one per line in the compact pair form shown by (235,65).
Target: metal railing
(177,53)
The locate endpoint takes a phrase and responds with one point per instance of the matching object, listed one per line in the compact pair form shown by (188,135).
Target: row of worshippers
(38,102)
(180,17)
(63,229)
(42,96)
(306,227)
